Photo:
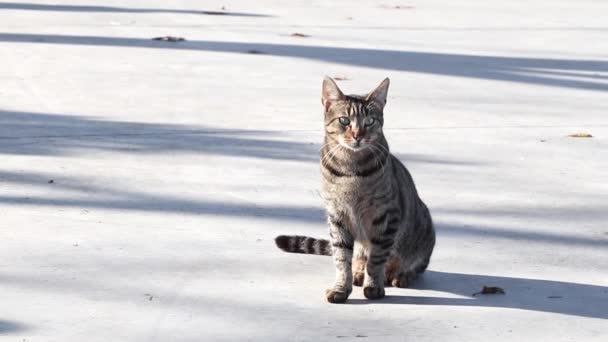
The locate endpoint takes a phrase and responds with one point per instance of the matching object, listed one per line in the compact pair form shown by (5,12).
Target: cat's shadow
(520,293)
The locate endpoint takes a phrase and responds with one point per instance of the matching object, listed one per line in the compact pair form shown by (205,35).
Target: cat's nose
(357,135)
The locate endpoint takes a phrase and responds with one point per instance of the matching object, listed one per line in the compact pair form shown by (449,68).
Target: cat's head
(355,122)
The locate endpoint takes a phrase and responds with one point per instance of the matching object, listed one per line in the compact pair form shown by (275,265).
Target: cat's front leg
(342,243)
(359,261)
(379,251)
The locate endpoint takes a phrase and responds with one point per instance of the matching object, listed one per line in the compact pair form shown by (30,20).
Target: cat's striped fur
(380,230)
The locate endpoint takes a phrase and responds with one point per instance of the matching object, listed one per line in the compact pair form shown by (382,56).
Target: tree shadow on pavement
(8,327)
(112,9)
(28,133)
(540,71)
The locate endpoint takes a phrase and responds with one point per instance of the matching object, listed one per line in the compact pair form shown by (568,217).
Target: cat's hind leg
(407,272)
(403,279)
(391,269)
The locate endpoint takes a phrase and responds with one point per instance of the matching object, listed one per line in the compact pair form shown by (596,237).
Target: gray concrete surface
(174,165)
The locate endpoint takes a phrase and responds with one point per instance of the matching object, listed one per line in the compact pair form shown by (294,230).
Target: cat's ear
(330,93)
(379,94)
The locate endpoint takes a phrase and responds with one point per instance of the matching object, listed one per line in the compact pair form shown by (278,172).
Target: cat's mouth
(355,145)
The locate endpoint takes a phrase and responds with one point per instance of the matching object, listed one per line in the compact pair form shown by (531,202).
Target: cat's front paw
(358,278)
(335,296)
(373,292)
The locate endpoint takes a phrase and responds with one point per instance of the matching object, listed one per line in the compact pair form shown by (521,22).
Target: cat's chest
(354,200)
(348,192)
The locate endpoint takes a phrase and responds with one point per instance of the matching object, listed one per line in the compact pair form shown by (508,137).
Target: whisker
(374,148)
(384,148)
(377,147)
(322,147)
(336,151)
(329,154)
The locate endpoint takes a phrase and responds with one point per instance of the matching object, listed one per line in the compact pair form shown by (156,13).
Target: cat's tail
(303,244)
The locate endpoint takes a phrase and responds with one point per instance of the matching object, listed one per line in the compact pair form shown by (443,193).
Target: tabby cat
(373,209)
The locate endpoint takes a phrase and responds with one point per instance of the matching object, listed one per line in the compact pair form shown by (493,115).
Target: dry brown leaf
(490,290)
(341,78)
(299,35)
(581,135)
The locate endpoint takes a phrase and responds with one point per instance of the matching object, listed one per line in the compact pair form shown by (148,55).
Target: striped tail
(303,244)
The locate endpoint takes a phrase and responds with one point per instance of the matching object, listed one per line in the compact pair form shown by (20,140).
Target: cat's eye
(369,121)
(344,121)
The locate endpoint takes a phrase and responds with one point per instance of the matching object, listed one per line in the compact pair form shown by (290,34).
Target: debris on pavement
(398,6)
(581,135)
(299,35)
(490,290)
(214,12)
(172,39)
